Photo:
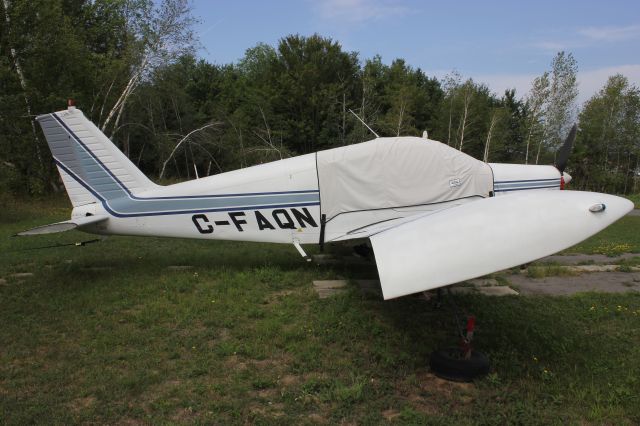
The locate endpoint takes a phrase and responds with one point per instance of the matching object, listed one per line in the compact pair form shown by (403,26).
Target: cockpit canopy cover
(397,172)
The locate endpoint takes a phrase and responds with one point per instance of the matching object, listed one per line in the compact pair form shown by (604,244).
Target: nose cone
(567,177)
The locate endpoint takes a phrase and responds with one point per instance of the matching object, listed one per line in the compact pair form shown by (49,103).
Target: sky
(504,44)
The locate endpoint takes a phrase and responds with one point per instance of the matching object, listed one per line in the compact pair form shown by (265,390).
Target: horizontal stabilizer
(67,225)
(486,236)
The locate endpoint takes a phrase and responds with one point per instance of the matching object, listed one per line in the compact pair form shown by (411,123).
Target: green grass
(622,237)
(108,334)
(547,270)
(635,198)
(633,261)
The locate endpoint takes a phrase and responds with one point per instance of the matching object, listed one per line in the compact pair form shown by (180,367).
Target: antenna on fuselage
(365,124)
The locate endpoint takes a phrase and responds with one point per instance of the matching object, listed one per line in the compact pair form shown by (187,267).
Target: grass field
(108,333)
(622,237)
(635,198)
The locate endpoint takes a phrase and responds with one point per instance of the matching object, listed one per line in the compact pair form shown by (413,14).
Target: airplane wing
(486,236)
(67,225)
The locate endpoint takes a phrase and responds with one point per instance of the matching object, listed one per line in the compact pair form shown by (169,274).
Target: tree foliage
(131,67)
(608,153)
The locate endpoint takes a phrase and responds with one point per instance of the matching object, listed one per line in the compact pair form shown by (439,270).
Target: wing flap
(486,236)
(374,228)
(67,225)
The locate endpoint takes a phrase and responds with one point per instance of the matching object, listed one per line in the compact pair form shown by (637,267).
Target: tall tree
(466,93)
(371,80)
(160,34)
(608,143)
(311,75)
(562,97)
(23,81)
(514,123)
(450,84)
(74,41)
(537,101)
(495,131)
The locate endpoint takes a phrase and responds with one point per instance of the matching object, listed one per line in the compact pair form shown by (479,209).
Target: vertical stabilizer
(93,169)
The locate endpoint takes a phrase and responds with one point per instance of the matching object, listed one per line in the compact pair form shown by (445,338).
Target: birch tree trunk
(175,148)
(537,100)
(118,107)
(538,152)
(344,116)
(465,114)
(364,95)
(167,35)
(401,116)
(450,117)
(23,85)
(624,191)
(540,146)
(526,155)
(635,174)
(494,119)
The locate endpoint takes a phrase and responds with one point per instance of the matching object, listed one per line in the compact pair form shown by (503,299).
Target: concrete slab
(599,268)
(330,284)
(329,288)
(483,282)
(607,282)
(634,212)
(501,290)
(179,267)
(22,275)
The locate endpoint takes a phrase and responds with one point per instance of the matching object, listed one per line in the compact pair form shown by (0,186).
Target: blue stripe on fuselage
(524,184)
(119,201)
(526,188)
(527,180)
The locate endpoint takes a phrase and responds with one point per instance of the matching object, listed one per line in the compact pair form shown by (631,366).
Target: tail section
(93,169)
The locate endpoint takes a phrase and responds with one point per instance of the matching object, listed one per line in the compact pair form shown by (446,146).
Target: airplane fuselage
(276,202)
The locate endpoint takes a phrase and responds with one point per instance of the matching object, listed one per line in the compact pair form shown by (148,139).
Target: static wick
(365,124)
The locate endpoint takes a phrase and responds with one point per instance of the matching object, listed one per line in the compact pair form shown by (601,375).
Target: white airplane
(433,215)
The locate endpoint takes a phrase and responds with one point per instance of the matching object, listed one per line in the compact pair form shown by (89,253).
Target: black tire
(449,364)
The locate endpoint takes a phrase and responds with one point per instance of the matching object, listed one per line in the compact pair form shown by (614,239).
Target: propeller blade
(563,153)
